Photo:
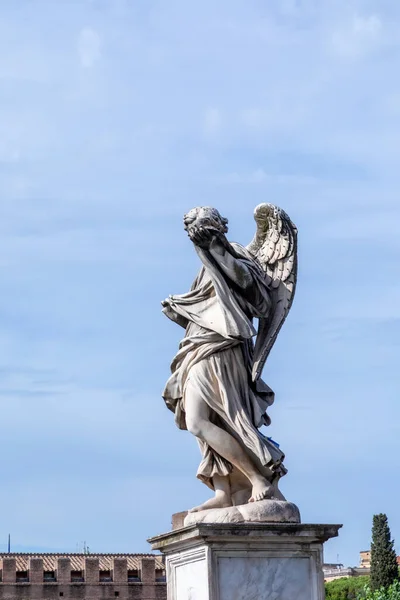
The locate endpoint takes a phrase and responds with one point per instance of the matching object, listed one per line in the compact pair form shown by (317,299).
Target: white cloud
(212,121)
(359,37)
(255,118)
(392,103)
(89,47)
(369,27)
(9,152)
(260,176)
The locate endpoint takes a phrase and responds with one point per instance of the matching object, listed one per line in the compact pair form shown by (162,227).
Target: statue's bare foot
(261,491)
(220,500)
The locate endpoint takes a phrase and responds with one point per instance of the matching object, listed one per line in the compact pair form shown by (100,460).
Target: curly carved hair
(206,216)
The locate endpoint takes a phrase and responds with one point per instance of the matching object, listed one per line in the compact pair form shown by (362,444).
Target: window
(133,575)
(105,576)
(116,594)
(76,576)
(160,576)
(22,577)
(61,594)
(49,576)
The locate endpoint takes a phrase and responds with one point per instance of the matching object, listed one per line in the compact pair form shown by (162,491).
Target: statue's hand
(202,236)
(166,308)
(167,302)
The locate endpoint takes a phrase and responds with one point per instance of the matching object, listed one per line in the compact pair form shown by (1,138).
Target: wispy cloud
(212,121)
(89,47)
(260,176)
(358,37)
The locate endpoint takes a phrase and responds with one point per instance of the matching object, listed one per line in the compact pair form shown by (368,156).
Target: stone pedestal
(245,561)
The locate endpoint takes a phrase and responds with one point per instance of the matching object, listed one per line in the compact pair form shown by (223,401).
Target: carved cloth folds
(215,359)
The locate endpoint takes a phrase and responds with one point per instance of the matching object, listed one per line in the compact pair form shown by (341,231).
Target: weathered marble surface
(264,511)
(192,582)
(215,389)
(253,578)
(245,561)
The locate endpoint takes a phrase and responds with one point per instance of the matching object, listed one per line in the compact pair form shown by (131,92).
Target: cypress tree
(384,569)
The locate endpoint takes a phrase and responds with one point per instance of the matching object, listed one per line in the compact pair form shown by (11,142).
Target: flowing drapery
(215,359)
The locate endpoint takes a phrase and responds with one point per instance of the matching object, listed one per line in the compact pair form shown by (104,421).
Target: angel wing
(275,247)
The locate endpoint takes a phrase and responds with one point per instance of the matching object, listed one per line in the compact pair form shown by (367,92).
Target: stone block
(245,561)
(120,570)
(178,520)
(9,570)
(147,570)
(36,570)
(92,573)
(64,571)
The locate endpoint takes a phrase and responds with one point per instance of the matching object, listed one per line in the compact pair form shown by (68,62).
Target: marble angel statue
(215,389)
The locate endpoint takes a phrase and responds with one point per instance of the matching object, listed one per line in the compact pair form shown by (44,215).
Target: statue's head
(207,217)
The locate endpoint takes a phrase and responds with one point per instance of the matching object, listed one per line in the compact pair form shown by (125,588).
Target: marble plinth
(264,511)
(245,561)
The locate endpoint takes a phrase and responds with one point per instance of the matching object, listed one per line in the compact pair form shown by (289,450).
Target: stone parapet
(50,577)
(9,570)
(35,572)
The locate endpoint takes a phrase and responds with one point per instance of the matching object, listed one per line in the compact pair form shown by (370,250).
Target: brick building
(365,559)
(82,577)
(336,571)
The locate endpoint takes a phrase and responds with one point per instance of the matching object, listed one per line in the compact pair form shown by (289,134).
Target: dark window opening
(77,576)
(160,576)
(61,593)
(116,594)
(22,577)
(105,576)
(133,575)
(49,576)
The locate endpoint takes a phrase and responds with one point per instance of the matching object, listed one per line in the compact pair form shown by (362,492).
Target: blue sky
(118,116)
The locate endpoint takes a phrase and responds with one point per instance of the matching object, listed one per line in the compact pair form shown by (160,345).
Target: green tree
(390,593)
(346,588)
(384,569)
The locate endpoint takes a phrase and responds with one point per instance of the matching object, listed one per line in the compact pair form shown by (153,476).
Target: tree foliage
(384,569)
(346,588)
(390,593)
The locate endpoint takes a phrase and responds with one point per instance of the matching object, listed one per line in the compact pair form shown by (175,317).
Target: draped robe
(215,360)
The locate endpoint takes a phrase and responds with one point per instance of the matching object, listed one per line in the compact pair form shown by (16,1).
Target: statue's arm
(232,267)
(224,255)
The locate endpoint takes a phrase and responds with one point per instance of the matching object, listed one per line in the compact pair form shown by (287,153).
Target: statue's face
(206,217)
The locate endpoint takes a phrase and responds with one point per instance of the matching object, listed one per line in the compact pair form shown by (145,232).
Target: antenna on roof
(9,543)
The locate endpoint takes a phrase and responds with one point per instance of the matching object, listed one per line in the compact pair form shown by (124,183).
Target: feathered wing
(275,247)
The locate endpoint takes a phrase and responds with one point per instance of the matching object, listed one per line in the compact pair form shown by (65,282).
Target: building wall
(91,588)
(365,559)
(332,574)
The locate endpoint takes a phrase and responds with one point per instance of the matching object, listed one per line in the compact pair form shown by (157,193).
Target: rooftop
(78,560)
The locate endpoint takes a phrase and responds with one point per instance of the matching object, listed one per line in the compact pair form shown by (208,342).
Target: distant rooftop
(78,560)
